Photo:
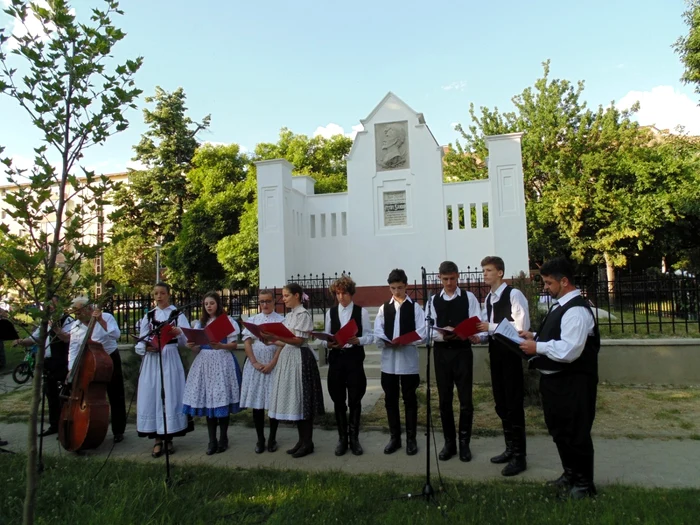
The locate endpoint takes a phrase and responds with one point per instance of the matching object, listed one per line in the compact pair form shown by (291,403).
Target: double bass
(85,414)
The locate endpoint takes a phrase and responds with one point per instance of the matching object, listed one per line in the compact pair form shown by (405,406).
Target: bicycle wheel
(21,373)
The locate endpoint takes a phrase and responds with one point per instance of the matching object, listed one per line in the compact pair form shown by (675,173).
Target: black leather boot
(505,456)
(223,433)
(341,422)
(581,488)
(354,430)
(300,432)
(213,446)
(307,447)
(272,440)
(394,418)
(465,435)
(259,420)
(411,429)
(565,481)
(448,450)
(517,463)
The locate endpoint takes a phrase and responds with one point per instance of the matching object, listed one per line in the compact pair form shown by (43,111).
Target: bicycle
(25,370)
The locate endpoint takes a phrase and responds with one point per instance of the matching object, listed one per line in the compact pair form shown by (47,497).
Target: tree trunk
(610,274)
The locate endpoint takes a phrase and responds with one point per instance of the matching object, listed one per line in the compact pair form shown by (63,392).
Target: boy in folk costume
(346,373)
(506,302)
(454,360)
(399,316)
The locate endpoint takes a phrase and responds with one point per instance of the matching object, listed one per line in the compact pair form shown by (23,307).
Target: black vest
(502,308)
(587,362)
(335,326)
(59,349)
(152,320)
(407,322)
(451,313)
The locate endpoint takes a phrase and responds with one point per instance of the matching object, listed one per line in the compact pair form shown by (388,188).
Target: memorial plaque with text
(395,208)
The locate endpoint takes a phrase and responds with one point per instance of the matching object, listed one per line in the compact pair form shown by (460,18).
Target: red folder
(464,329)
(253,329)
(405,339)
(346,332)
(166,334)
(196,336)
(219,328)
(277,329)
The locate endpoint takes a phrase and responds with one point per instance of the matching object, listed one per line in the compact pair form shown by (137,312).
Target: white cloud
(459,85)
(665,108)
(335,129)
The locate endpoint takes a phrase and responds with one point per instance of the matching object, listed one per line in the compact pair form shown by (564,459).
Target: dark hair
(343,284)
(295,289)
(447,267)
(558,268)
(219,308)
(494,261)
(161,284)
(265,291)
(397,275)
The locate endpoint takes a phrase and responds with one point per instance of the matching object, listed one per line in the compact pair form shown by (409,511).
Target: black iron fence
(654,304)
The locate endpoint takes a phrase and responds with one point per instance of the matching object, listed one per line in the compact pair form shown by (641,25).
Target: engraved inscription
(395,208)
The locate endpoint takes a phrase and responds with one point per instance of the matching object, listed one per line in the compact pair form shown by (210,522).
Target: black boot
(581,488)
(508,453)
(565,481)
(517,463)
(272,440)
(259,421)
(354,430)
(223,433)
(411,429)
(465,435)
(300,432)
(394,419)
(307,447)
(213,446)
(448,450)
(341,422)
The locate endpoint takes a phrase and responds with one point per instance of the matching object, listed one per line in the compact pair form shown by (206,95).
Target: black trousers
(347,381)
(407,384)
(55,376)
(507,385)
(455,367)
(568,403)
(115,393)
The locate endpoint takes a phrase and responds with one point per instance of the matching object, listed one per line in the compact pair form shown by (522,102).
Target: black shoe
(393,445)
(515,466)
(118,438)
(563,481)
(260,447)
(223,445)
(212,448)
(271,445)
(411,447)
(295,448)
(355,446)
(342,447)
(578,491)
(3,442)
(505,457)
(304,450)
(49,432)
(449,450)
(465,453)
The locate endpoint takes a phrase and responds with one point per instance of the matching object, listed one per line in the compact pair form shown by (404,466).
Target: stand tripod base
(428,491)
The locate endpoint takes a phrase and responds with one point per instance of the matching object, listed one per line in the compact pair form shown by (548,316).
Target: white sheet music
(508,330)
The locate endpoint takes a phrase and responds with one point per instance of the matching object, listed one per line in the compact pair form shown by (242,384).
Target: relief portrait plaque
(391,145)
(395,208)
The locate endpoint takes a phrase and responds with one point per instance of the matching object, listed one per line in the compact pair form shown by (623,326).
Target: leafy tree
(219,180)
(75,102)
(150,208)
(688,46)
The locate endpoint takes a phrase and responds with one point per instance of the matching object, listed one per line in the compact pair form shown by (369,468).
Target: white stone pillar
(507,218)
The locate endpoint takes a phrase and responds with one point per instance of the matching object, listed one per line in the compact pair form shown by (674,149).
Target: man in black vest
(454,360)
(400,316)
(346,372)
(566,353)
(55,363)
(506,302)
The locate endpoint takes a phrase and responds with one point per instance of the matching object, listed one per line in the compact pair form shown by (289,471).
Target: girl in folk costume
(213,383)
(296,383)
(149,408)
(258,372)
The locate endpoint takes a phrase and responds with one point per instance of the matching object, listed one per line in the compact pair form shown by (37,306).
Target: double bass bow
(85,413)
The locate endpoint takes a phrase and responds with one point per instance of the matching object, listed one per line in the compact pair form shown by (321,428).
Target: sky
(318,67)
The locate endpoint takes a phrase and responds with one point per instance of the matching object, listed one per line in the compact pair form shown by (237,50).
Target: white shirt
(576,325)
(474,309)
(67,323)
(519,310)
(399,360)
(107,338)
(160,316)
(345,314)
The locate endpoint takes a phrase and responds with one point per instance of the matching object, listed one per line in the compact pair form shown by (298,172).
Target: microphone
(178,311)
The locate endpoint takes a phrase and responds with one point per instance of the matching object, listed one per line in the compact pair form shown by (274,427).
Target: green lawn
(73,491)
